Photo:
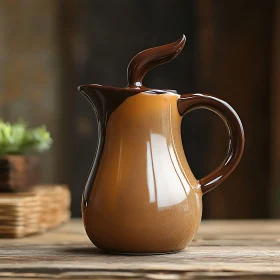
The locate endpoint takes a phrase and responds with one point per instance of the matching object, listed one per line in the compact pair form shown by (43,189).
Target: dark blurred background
(49,47)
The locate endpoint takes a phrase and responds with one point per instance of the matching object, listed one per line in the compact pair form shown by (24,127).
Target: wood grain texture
(236,249)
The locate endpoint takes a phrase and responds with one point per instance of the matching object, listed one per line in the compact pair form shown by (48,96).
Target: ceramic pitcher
(141,196)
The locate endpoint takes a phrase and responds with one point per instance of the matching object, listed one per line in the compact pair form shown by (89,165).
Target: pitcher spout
(95,97)
(97,101)
(104,100)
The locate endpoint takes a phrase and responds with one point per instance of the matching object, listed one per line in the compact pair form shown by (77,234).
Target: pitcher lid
(142,63)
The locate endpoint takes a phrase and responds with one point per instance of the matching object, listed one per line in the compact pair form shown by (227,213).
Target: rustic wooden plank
(236,249)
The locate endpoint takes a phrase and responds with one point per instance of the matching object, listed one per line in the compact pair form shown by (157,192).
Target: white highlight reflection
(163,180)
(150,174)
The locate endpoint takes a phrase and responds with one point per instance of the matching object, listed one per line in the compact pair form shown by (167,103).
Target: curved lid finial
(146,60)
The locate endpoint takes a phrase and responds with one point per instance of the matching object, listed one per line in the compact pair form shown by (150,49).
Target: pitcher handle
(189,102)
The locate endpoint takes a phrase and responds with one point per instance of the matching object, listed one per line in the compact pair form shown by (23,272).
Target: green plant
(18,138)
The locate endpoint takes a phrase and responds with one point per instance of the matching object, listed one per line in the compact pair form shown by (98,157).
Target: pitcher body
(144,198)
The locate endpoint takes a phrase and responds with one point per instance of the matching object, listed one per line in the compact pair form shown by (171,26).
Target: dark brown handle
(189,102)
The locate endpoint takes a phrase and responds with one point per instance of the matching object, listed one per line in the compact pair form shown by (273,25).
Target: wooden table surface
(221,249)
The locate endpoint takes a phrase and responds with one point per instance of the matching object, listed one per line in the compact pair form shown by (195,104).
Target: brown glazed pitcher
(141,196)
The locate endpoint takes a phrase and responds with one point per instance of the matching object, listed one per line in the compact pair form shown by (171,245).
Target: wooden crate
(18,173)
(45,207)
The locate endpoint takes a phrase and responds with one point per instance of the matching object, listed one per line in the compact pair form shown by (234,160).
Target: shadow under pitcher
(141,196)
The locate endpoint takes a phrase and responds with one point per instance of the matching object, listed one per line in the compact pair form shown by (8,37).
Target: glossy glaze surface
(145,198)
(141,196)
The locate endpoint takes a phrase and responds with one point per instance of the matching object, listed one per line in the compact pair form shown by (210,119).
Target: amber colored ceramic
(141,195)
